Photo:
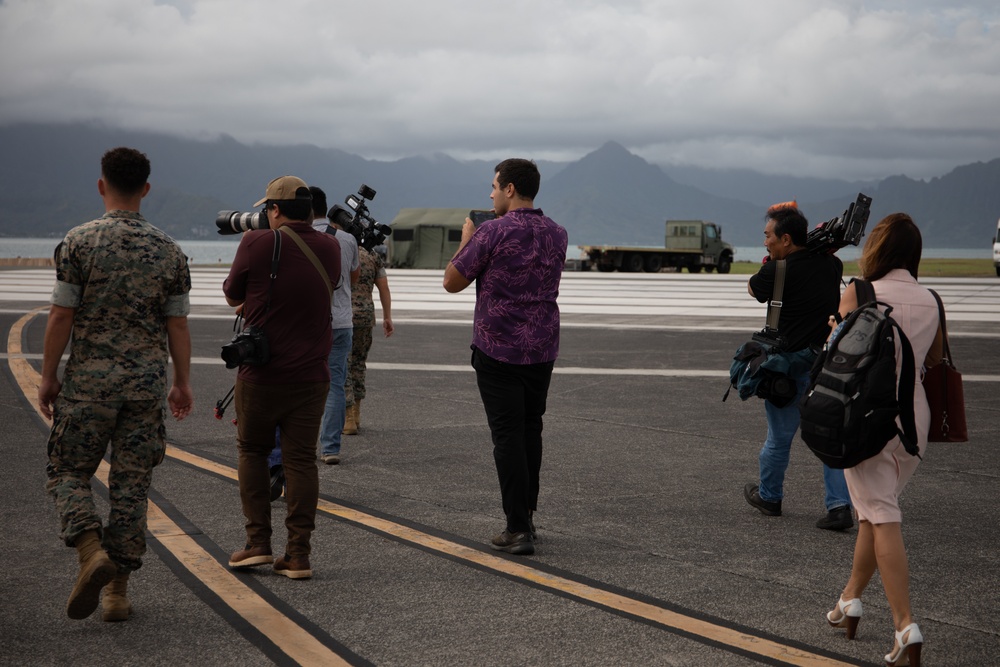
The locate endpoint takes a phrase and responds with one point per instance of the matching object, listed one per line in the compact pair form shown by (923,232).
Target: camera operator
(288,392)
(811,294)
(343,329)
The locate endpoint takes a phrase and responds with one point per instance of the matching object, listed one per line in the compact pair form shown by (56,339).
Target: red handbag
(943,386)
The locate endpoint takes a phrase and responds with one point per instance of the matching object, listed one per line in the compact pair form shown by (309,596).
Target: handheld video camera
(829,237)
(356,219)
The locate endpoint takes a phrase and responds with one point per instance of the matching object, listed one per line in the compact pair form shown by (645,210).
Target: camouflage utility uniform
(123,278)
(372,268)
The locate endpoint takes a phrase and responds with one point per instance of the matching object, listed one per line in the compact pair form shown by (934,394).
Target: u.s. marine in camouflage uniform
(372,275)
(122,294)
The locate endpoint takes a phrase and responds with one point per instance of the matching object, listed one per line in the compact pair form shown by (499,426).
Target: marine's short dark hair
(522,173)
(126,170)
(319,201)
(788,219)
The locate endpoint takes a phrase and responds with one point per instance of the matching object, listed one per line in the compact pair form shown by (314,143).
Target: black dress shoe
(752,493)
(839,518)
(514,543)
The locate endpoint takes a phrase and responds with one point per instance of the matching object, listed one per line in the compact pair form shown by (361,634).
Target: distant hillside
(609,196)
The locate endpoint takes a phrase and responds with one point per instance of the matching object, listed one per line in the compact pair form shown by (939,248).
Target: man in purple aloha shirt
(516,261)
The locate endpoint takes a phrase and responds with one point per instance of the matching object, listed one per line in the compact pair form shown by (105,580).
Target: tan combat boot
(350,424)
(115,605)
(96,570)
(357,413)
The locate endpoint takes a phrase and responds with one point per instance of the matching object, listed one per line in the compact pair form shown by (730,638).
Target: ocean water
(223,251)
(198,252)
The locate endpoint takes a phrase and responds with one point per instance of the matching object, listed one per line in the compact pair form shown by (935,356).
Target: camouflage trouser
(354,388)
(81,431)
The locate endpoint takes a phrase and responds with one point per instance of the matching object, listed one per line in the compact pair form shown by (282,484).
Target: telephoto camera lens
(236,222)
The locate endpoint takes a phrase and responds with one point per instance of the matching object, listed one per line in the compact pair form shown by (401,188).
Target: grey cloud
(827,88)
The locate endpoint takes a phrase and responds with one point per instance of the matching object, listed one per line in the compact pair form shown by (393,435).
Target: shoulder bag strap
(774,305)
(312,257)
(945,347)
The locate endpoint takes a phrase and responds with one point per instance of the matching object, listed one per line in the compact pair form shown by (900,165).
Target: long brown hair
(894,243)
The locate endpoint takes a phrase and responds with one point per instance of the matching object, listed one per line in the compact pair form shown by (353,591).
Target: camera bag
(850,410)
(760,367)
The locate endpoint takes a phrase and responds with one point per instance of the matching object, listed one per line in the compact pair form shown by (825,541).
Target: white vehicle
(996,250)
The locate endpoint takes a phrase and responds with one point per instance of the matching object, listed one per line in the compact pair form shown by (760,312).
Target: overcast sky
(849,89)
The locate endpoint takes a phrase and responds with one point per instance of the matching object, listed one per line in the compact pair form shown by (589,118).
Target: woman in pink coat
(889,261)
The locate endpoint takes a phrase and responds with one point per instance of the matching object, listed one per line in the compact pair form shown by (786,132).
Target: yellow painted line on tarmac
(306,649)
(288,636)
(610,600)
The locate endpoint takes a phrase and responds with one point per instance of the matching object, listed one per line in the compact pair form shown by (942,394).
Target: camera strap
(275,257)
(774,305)
(312,257)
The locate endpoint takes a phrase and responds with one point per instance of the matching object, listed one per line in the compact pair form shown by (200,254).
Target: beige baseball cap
(284,188)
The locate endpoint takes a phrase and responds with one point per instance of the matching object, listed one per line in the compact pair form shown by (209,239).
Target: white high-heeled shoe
(908,652)
(846,615)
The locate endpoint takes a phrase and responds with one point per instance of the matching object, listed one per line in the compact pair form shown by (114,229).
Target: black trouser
(514,398)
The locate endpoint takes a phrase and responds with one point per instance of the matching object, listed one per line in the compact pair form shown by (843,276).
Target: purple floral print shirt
(517,262)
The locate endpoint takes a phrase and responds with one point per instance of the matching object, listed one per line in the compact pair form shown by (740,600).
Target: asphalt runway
(648,554)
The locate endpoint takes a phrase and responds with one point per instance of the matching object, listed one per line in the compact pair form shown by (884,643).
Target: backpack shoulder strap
(907,380)
(864,289)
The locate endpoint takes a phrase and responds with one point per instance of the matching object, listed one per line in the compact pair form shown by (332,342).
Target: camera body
(831,236)
(355,218)
(248,348)
(237,222)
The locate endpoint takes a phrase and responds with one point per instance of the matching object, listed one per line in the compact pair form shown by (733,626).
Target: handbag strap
(946,348)
(311,255)
(774,305)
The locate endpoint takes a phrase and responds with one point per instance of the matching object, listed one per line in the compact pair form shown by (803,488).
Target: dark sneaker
(296,567)
(251,556)
(531,525)
(277,481)
(839,518)
(752,493)
(519,544)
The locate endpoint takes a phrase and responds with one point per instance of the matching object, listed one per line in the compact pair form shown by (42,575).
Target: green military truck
(690,244)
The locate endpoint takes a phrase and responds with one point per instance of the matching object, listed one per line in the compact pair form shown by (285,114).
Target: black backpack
(849,411)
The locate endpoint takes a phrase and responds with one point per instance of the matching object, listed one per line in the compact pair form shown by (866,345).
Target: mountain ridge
(609,196)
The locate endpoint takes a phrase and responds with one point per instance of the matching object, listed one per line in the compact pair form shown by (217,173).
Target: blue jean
(782,423)
(333,417)
(274,458)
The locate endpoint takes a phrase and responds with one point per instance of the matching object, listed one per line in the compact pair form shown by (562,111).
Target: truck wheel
(694,268)
(654,263)
(998,272)
(725,264)
(633,263)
